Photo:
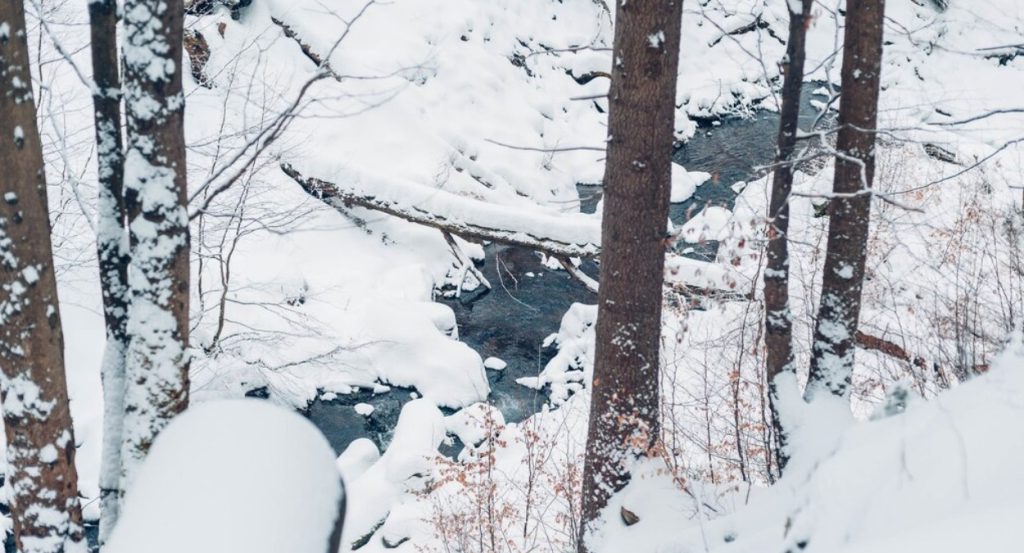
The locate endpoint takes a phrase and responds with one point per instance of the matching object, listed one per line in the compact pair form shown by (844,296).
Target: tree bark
(778,320)
(42,477)
(157,360)
(111,248)
(850,208)
(625,404)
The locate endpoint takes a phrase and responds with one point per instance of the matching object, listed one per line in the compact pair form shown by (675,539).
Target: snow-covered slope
(940,477)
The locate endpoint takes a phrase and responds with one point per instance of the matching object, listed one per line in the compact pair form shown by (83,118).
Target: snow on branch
(559,235)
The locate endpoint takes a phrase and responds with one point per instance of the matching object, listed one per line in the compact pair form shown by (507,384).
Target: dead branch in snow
(577,274)
(465,265)
(896,351)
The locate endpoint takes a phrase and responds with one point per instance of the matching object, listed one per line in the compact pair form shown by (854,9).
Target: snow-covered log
(559,235)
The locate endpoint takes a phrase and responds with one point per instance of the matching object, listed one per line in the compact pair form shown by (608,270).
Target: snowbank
(402,469)
(573,365)
(239,476)
(940,477)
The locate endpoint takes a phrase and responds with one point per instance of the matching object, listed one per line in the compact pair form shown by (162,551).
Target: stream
(527,300)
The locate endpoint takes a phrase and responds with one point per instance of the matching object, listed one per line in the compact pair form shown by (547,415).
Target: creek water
(527,300)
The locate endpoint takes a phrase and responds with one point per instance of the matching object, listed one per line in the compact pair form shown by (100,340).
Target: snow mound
(573,365)
(475,423)
(238,476)
(495,364)
(709,224)
(401,470)
(685,183)
(360,455)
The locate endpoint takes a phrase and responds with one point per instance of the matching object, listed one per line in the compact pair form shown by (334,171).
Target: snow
(360,455)
(402,469)
(364,409)
(430,118)
(685,183)
(655,40)
(48,454)
(709,224)
(218,479)
(937,477)
(581,231)
(475,423)
(495,364)
(573,365)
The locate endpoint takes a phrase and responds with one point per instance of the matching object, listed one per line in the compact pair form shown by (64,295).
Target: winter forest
(512,276)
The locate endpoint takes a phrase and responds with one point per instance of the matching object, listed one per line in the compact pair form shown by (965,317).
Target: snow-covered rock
(403,468)
(495,364)
(360,455)
(685,183)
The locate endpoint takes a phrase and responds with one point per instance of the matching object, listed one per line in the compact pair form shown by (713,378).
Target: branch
(892,349)
(579,275)
(465,263)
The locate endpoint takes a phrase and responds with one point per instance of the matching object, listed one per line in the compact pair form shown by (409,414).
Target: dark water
(511,320)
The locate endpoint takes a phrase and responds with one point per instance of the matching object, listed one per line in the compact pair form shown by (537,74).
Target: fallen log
(892,349)
(557,235)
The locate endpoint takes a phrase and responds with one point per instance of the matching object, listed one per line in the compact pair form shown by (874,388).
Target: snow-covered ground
(481,100)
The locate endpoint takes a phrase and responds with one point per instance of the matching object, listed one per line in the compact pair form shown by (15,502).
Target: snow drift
(238,476)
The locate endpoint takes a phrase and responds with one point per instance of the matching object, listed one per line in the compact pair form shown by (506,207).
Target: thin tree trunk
(37,419)
(111,249)
(624,409)
(778,320)
(157,360)
(850,208)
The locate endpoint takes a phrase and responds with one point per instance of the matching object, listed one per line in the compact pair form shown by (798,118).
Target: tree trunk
(111,248)
(778,320)
(157,359)
(37,419)
(850,208)
(624,409)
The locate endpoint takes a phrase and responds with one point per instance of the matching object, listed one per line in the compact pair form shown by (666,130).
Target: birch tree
(155,190)
(111,247)
(41,475)
(778,319)
(850,205)
(625,406)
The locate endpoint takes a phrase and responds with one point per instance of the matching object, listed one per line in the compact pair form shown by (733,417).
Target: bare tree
(850,205)
(624,418)
(111,247)
(157,359)
(37,418)
(778,319)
